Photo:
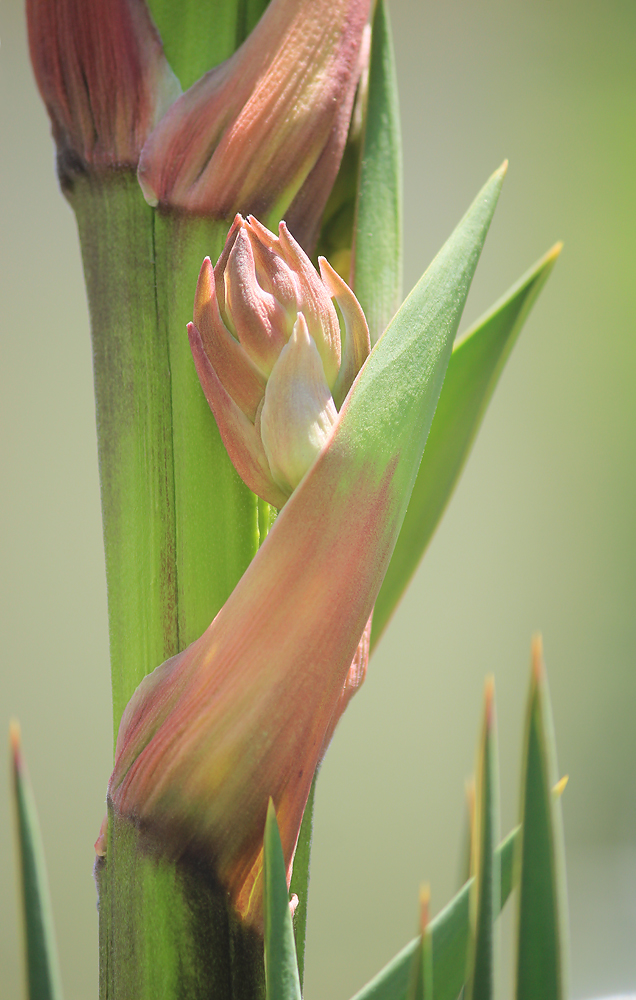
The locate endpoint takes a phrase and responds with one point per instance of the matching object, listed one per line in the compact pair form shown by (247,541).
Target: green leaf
(388,413)
(281,969)
(486,891)
(542,930)
(43,976)
(300,878)
(376,275)
(449,932)
(474,368)
(466,848)
(421,974)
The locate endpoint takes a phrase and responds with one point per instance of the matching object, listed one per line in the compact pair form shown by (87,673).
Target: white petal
(298,413)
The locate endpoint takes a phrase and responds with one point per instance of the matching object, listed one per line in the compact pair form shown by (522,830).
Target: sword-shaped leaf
(485,891)
(474,368)
(449,932)
(281,968)
(376,275)
(542,931)
(43,976)
(421,975)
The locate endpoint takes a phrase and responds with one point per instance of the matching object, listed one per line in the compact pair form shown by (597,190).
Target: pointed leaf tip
(425,905)
(15,741)
(281,967)
(489,701)
(542,915)
(42,967)
(538,668)
(476,363)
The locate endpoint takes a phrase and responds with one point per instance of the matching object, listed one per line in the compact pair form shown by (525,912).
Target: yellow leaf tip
(15,739)
(537,658)
(489,700)
(559,788)
(425,902)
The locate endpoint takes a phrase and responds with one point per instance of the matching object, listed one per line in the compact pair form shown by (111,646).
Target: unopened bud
(264,132)
(272,358)
(103,76)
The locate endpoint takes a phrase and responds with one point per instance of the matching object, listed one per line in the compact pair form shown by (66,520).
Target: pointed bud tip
(559,788)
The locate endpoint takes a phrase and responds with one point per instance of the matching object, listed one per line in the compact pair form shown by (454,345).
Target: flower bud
(266,129)
(272,358)
(103,76)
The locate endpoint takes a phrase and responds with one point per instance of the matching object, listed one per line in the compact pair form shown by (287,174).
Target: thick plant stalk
(216,516)
(171,561)
(134,426)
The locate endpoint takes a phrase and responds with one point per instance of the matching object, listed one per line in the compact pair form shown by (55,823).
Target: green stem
(165,929)
(134,426)
(216,515)
(179,530)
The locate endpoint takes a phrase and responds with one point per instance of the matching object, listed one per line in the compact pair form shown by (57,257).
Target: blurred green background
(541,534)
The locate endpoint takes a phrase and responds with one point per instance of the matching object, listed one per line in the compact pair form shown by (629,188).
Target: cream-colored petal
(298,413)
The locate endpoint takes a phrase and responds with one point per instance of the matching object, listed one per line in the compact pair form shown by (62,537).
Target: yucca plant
(269,482)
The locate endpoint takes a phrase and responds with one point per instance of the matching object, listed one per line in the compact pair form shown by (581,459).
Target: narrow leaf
(485,892)
(449,932)
(300,878)
(474,368)
(466,849)
(43,976)
(281,970)
(542,931)
(421,975)
(376,275)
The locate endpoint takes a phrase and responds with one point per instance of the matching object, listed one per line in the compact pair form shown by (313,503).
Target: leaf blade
(450,940)
(376,274)
(485,891)
(473,371)
(542,926)
(42,966)
(281,968)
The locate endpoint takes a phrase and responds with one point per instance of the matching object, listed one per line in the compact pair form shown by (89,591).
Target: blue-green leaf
(42,968)
(542,930)
(474,368)
(281,968)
